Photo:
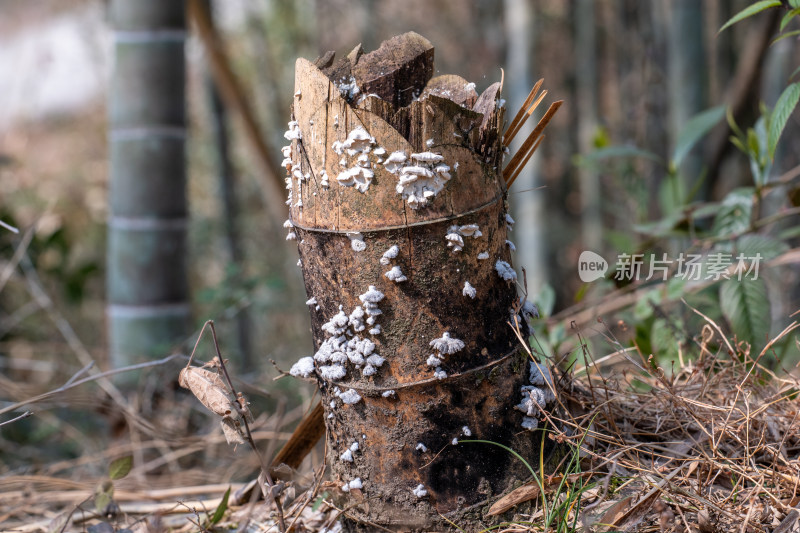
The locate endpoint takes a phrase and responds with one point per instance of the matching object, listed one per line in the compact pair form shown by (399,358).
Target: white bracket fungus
(395,274)
(483,255)
(350,396)
(509,222)
(395,161)
(505,271)
(293,132)
(466,431)
(389,254)
(332,372)
(347,456)
(421,447)
(455,235)
(446,344)
(388,394)
(354,484)
(434,360)
(420,491)
(469,290)
(511,246)
(357,241)
(358,177)
(419,180)
(303,367)
(529,310)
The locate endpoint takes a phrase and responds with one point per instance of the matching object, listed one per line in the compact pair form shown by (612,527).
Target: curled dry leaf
(209,388)
(232,430)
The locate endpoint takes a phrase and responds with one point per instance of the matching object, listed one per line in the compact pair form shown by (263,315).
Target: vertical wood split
(394,174)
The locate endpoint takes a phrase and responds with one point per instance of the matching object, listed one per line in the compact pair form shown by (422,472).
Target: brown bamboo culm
(399,211)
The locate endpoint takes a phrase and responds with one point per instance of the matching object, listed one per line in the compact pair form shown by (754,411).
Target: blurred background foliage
(639,160)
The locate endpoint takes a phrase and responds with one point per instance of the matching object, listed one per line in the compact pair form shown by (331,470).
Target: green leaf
(221,508)
(744,303)
(768,247)
(780,115)
(749,11)
(119,468)
(734,213)
(694,130)
(546,300)
(788,18)
(319,501)
(785,35)
(789,233)
(104,495)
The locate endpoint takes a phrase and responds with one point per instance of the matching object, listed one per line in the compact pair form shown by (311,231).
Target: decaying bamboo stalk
(399,210)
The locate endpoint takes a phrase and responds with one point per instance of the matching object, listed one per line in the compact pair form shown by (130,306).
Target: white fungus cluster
(293,133)
(419,491)
(536,396)
(469,290)
(354,484)
(342,345)
(511,246)
(389,254)
(455,235)
(421,447)
(348,87)
(389,393)
(291,235)
(505,271)
(509,222)
(302,368)
(483,255)
(357,241)
(466,431)
(529,310)
(350,396)
(420,176)
(444,345)
(395,274)
(347,456)
(358,145)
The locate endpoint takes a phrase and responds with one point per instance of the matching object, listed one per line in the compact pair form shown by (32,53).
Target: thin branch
(26,414)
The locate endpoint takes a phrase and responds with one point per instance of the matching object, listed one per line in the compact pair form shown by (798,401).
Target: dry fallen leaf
(209,388)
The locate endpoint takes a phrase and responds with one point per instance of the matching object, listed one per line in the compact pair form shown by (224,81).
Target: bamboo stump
(400,216)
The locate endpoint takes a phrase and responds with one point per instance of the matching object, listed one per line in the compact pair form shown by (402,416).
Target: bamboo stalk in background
(226,178)
(148,308)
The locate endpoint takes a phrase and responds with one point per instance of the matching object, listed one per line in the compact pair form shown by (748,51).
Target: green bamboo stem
(148,308)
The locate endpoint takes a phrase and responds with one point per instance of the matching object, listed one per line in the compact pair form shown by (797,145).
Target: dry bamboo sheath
(399,211)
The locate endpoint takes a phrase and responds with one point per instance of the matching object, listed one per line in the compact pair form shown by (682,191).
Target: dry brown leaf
(517,496)
(531,490)
(615,512)
(209,388)
(704,522)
